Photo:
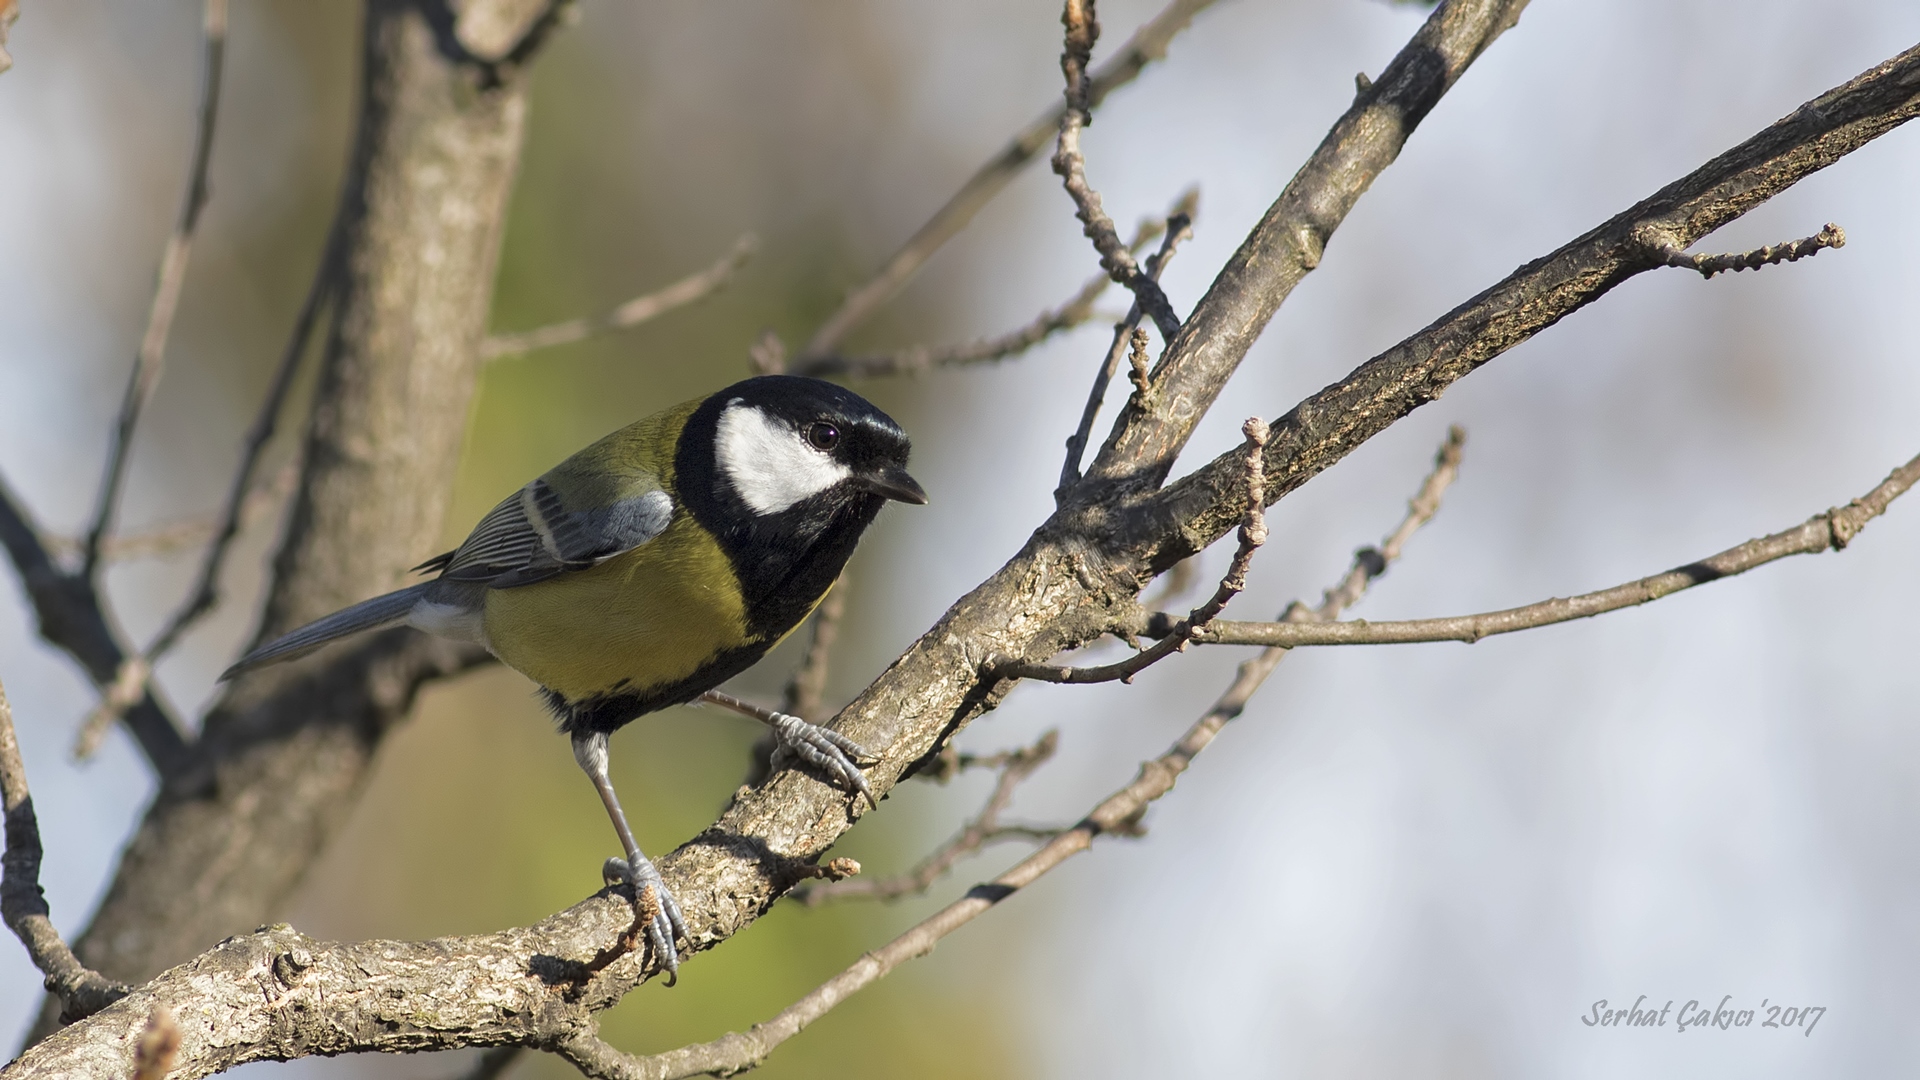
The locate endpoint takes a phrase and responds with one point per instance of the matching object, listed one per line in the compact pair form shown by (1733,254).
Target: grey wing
(531,537)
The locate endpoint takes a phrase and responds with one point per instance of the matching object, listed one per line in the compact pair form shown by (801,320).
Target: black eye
(823,436)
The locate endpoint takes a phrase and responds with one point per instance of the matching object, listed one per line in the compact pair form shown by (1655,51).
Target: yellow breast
(645,619)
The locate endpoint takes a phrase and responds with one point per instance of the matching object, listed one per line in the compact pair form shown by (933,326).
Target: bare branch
(168,539)
(1288,242)
(166,292)
(808,686)
(279,994)
(768,354)
(1179,227)
(1829,531)
(69,612)
(205,594)
(129,683)
(425,192)
(918,359)
(1830,236)
(1118,814)
(1015,767)
(1083,29)
(81,992)
(128,687)
(1149,43)
(1253,533)
(1326,426)
(688,290)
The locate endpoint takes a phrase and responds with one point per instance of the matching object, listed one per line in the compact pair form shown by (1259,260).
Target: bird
(655,564)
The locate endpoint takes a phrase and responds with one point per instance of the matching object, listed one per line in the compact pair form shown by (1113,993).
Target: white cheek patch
(769,464)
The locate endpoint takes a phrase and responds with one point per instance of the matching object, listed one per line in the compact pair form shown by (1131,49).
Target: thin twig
(1179,227)
(1253,533)
(206,588)
(81,992)
(1082,30)
(768,354)
(1830,236)
(985,828)
(68,609)
(1119,813)
(690,289)
(809,683)
(164,540)
(1137,372)
(166,292)
(243,502)
(917,359)
(1149,43)
(1829,531)
(1285,247)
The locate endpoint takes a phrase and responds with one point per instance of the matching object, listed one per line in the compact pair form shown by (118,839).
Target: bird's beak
(893,482)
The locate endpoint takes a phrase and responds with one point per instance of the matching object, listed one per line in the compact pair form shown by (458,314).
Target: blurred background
(1411,861)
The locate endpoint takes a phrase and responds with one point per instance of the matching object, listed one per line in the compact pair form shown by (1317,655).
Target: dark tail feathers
(366,615)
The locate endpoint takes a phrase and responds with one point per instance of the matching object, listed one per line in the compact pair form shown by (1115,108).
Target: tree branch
(283,752)
(917,359)
(1830,236)
(166,292)
(808,687)
(1288,242)
(1149,43)
(1829,531)
(68,610)
(1015,767)
(276,994)
(1253,533)
(1118,814)
(1325,427)
(164,540)
(688,290)
(1179,228)
(1082,30)
(205,593)
(129,683)
(1060,590)
(81,992)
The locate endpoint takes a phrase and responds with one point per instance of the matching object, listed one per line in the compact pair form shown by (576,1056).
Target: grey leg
(829,751)
(591,752)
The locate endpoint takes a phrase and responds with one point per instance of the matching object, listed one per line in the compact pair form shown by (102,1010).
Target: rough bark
(274,994)
(424,204)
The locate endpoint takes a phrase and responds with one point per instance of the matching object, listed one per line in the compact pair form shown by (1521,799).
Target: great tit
(652,566)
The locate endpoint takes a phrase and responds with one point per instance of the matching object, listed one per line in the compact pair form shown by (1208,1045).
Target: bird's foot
(666,924)
(829,751)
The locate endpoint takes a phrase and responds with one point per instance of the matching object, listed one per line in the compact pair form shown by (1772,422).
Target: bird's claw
(829,751)
(666,924)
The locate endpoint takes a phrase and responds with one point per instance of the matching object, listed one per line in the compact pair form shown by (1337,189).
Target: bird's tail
(366,615)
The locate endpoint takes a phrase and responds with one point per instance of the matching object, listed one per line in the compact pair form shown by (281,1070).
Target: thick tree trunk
(424,203)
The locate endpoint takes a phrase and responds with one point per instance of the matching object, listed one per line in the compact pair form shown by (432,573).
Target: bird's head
(782,442)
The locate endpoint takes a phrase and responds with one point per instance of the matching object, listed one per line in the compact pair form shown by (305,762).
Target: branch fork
(1253,534)
(1082,30)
